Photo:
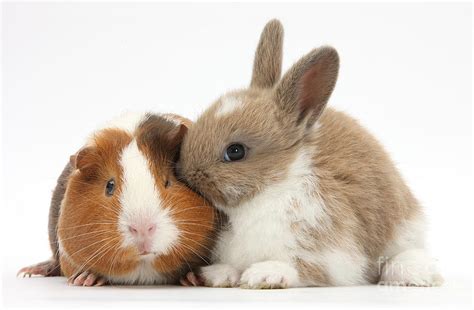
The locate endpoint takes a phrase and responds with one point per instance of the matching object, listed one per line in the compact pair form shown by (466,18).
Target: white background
(405,74)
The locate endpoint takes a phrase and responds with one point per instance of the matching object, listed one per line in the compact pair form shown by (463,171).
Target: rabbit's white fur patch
(270,274)
(220,275)
(411,268)
(344,267)
(228,104)
(260,229)
(408,235)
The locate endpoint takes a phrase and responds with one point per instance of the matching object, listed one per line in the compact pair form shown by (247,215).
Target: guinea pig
(119,215)
(311,197)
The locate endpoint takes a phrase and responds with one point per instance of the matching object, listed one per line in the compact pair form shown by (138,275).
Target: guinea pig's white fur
(139,199)
(139,202)
(156,226)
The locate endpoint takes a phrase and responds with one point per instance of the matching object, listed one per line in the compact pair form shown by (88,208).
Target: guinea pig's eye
(234,152)
(167,183)
(110,187)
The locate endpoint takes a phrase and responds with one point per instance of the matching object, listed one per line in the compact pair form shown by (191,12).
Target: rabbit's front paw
(411,268)
(269,275)
(220,275)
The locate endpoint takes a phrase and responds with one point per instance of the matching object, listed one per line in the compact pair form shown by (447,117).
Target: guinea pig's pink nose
(143,230)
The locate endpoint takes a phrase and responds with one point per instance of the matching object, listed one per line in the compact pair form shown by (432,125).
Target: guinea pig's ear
(305,89)
(83,158)
(268,56)
(176,135)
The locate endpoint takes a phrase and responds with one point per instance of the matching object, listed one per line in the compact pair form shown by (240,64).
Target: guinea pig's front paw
(220,275)
(49,268)
(269,275)
(191,279)
(86,279)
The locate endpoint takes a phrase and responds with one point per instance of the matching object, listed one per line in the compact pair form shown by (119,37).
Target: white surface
(66,68)
(47,292)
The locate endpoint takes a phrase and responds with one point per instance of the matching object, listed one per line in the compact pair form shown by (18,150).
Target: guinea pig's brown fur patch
(195,219)
(88,225)
(95,243)
(159,139)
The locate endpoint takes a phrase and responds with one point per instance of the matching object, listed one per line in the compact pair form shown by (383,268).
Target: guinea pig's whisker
(177,251)
(180,178)
(191,221)
(195,242)
(92,244)
(109,208)
(83,266)
(114,260)
(89,224)
(88,246)
(195,224)
(88,264)
(87,199)
(195,253)
(196,234)
(160,263)
(93,233)
(98,253)
(195,203)
(82,195)
(185,210)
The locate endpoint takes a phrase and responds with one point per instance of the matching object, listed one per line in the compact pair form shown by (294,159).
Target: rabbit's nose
(198,175)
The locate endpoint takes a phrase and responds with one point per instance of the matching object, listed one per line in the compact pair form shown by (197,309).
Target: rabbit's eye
(234,152)
(110,187)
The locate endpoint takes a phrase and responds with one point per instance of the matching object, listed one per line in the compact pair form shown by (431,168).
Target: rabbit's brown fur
(316,200)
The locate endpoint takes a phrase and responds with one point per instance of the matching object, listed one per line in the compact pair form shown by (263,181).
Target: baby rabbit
(312,198)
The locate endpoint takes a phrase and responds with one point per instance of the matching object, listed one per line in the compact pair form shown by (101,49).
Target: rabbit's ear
(268,56)
(305,89)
